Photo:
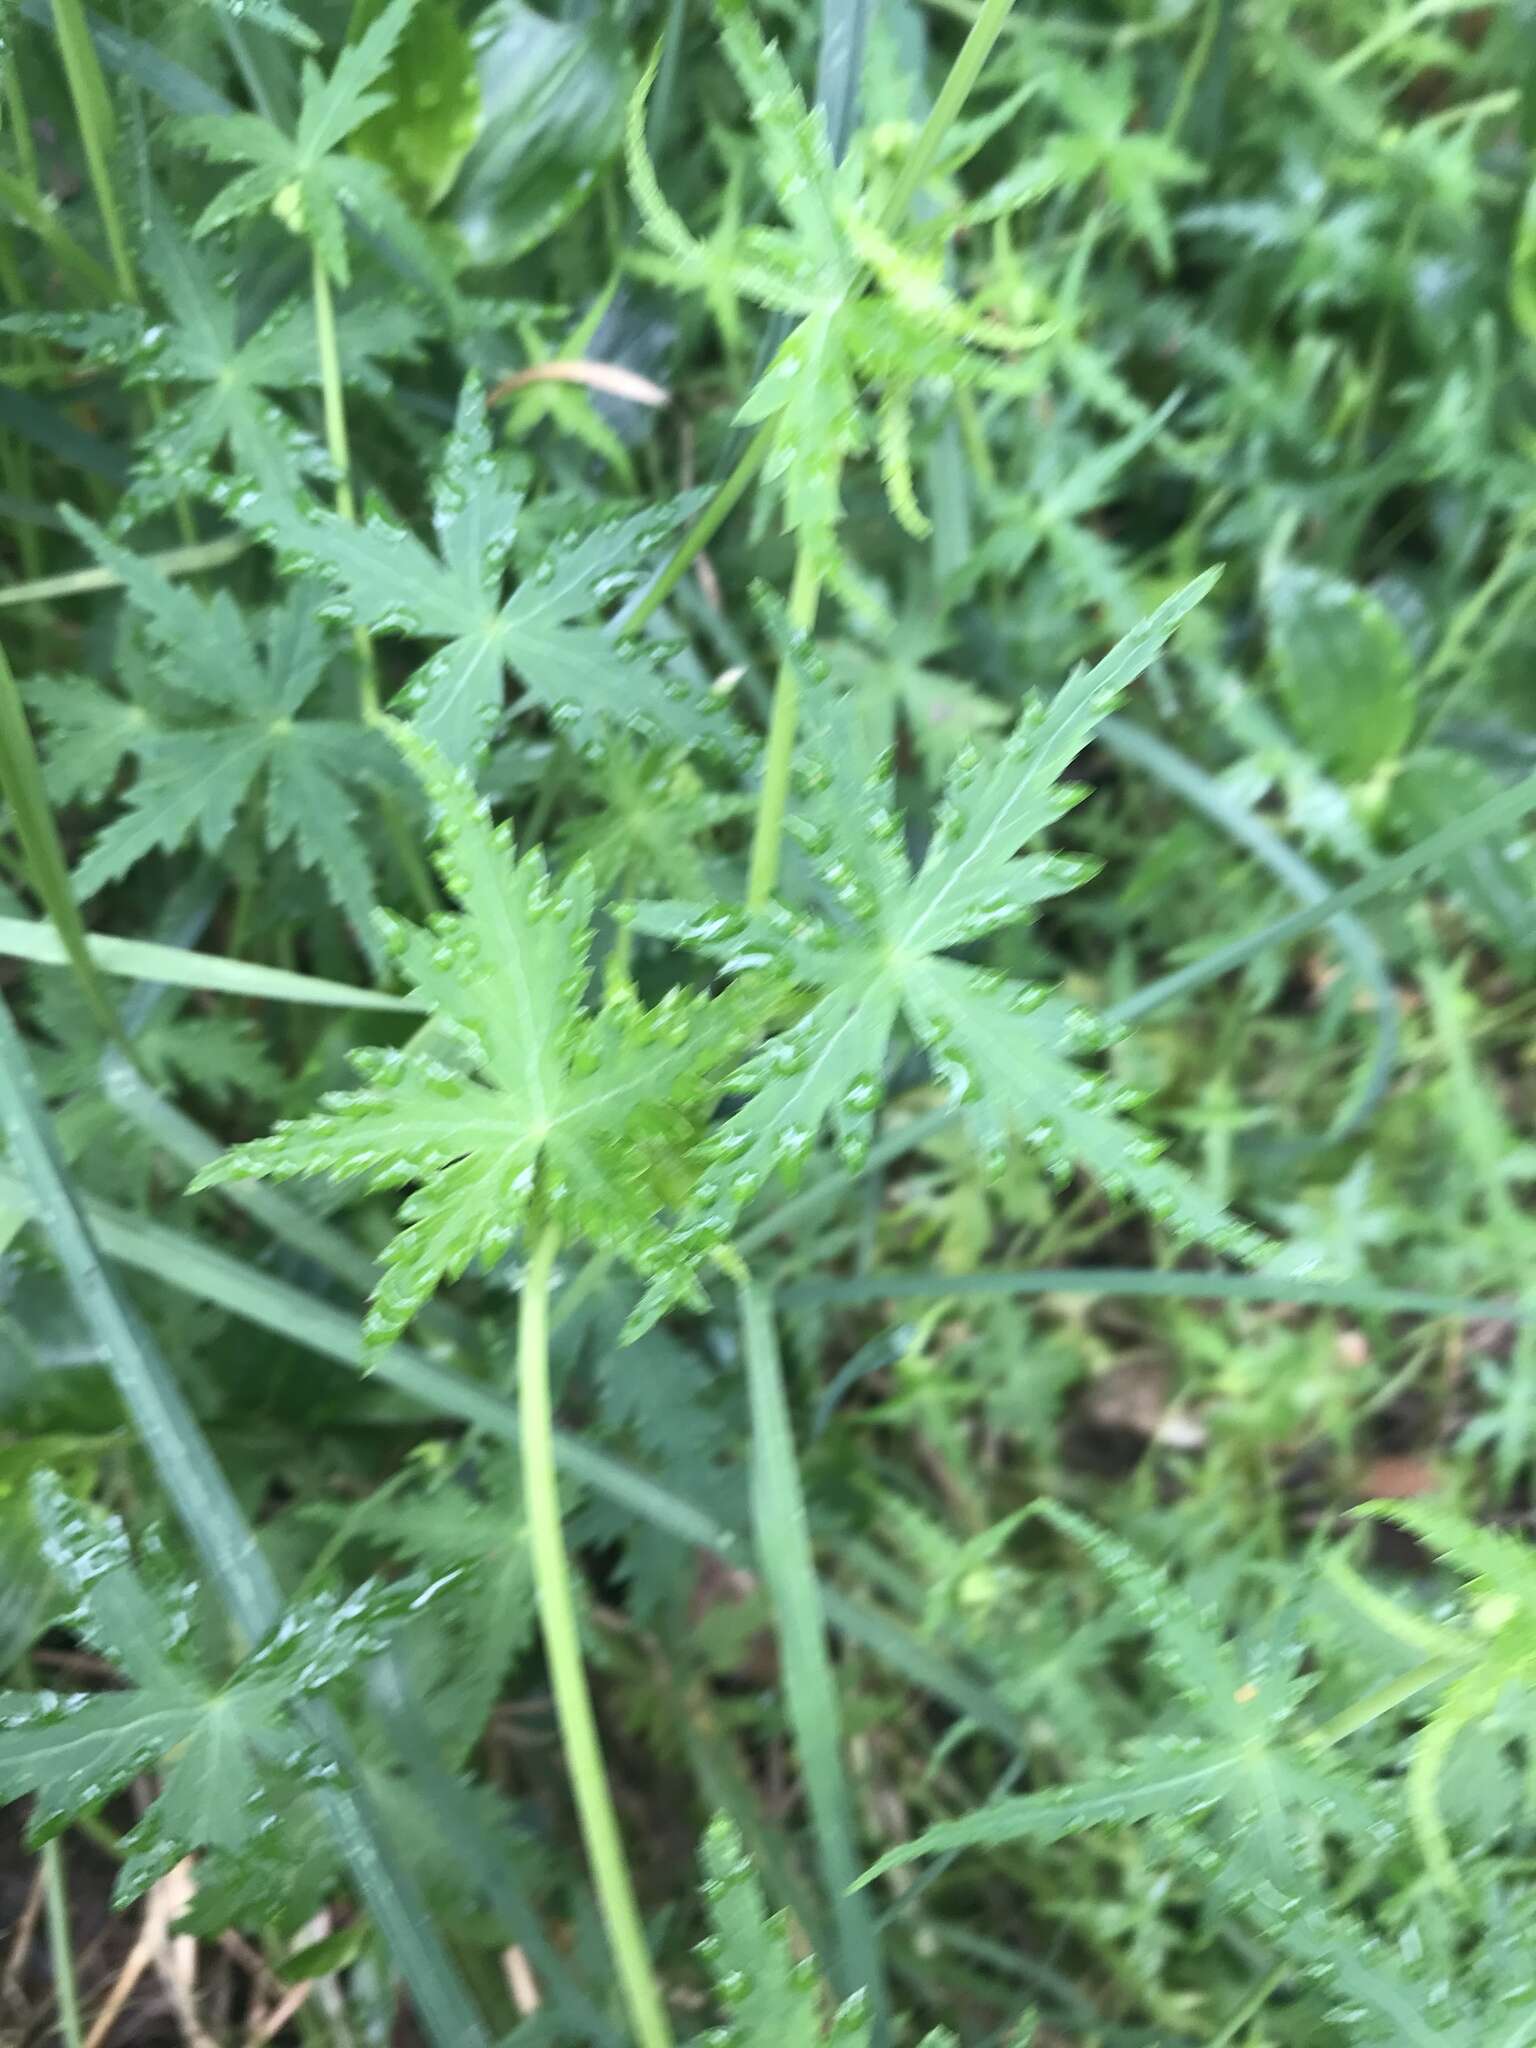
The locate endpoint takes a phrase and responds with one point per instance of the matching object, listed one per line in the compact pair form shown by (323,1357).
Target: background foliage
(1010,1049)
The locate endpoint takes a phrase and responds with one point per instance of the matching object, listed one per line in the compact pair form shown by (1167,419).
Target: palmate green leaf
(91,734)
(1379,1992)
(1101,105)
(226,1751)
(1499,1568)
(307,179)
(1232,1686)
(869,317)
(472,1528)
(590,1112)
(899,686)
(1495,878)
(1242,1775)
(547,630)
(1007,1052)
(1244,1690)
(650,823)
(235,374)
(221,727)
(219,1058)
(660,1396)
(196,339)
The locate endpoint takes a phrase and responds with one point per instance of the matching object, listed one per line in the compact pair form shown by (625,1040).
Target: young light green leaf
(869,316)
(1522,267)
(1500,1652)
(307,179)
(1007,1052)
(591,1112)
(546,630)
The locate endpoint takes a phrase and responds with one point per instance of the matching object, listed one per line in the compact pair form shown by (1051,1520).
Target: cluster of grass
(764,1041)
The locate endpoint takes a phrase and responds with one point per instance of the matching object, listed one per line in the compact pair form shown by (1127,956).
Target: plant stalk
(34,214)
(32,356)
(953,93)
(208,554)
(98,138)
(21,783)
(567,1674)
(779,747)
(20,125)
(329,352)
(61,1954)
(339,448)
(701,533)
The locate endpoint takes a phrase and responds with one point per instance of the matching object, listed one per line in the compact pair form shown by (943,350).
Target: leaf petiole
(567,1674)
(779,747)
(339,449)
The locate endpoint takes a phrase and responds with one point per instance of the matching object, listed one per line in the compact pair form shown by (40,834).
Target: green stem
(61,1952)
(779,748)
(953,93)
(38,216)
(1395,1693)
(329,352)
(702,531)
(98,138)
(567,1675)
(21,783)
(1194,70)
(340,451)
(208,554)
(16,459)
(20,124)
(30,356)
(98,132)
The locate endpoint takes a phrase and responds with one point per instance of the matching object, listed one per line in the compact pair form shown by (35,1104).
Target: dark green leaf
(434,114)
(1344,669)
(552,96)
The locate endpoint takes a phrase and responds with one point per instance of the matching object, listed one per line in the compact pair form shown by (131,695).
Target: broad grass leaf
(552,98)
(1344,669)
